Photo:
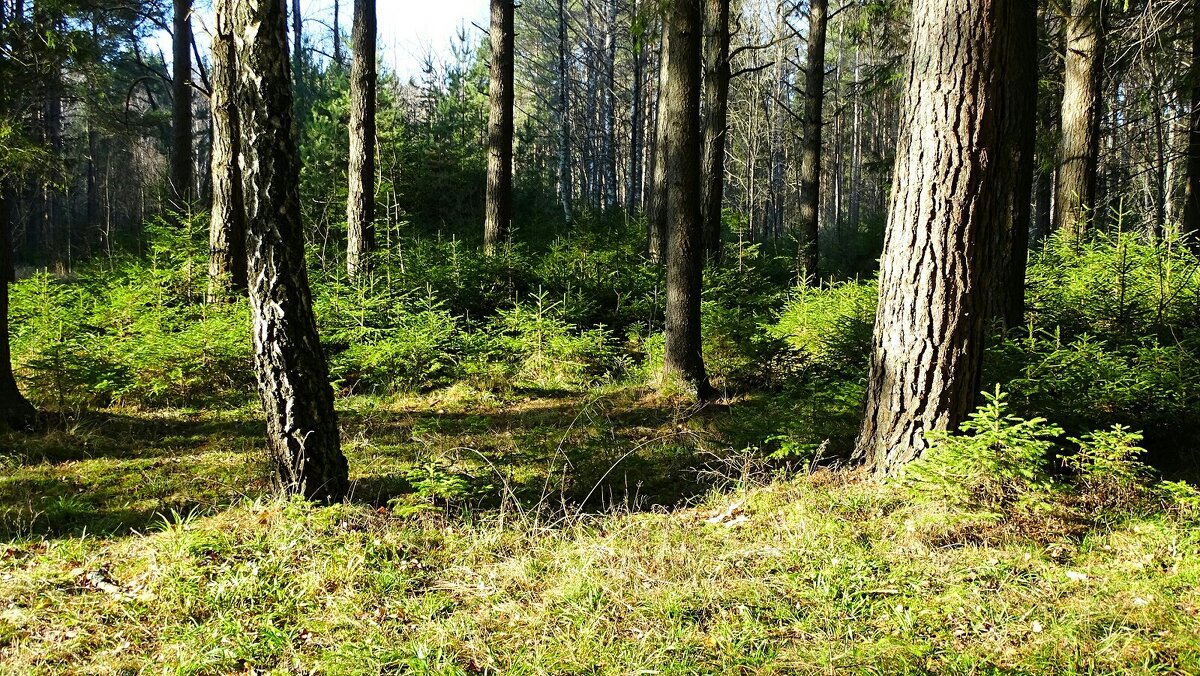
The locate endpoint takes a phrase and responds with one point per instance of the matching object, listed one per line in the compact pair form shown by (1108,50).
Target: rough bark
(360,197)
(498,208)
(181,110)
(948,213)
(15,410)
(1079,147)
(338,57)
(685,237)
(1191,190)
(293,378)
(716,122)
(227,228)
(810,148)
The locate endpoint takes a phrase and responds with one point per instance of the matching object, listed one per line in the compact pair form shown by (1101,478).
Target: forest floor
(549,533)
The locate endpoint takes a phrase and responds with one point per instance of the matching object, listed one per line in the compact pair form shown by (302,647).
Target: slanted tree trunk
(360,197)
(15,411)
(565,188)
(948,213)
(498,211)
(227,228)
(293,379)
(1079,147)
(1191,188)
(716,121)
(685,236)
(181,110)
(810,148)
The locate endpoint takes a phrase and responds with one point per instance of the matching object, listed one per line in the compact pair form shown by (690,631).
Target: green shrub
(831,326)
(998,463)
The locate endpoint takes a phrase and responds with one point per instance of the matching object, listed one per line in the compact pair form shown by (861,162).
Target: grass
(550,533)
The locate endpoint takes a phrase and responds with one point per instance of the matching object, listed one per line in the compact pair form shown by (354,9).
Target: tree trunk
(633,185)
(565,189)
(227,229)
(293,379)
(360,196)
(498,212)
(181,110)
(656,221)
(810,149)
(15,411)
(1191,189)
(948,213)
(716,123)
(610,106)
(338,57)
(685,236)
(1079,147)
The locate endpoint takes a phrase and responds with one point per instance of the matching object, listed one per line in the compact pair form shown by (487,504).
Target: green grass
(550,534)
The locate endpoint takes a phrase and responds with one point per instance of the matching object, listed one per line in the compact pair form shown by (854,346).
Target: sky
(408,29)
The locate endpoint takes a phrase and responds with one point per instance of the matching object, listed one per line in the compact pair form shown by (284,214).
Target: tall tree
(948,213)
(498,208)
(810,150)
(293,378)
(683,356)
(1079,146)
(637,33)
(656,218)
(227,227)
(1191,190)
(360,198)
(181,110)
(563,106)
(716,120)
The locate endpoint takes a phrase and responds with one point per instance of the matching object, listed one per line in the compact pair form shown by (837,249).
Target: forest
(615,337)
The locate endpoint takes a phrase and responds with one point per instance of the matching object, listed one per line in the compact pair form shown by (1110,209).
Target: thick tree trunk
(15,411)
(181,110)
(293,379)
(949,212)
(685,237)
(498,211)
(1079,147)
(810,149)
(360,197)
(227,229)
(656,221)
(716,123)
(1191,189)
(565,188)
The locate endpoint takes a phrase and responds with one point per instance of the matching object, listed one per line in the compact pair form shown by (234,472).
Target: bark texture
(227,229)
(498,209)
(1191,190)
(181,110)
(360,197)
(810,148)
(293,378)
(948,213)
(1079,146)
(685,257)
(716,122)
